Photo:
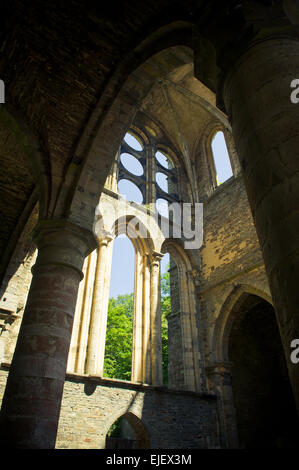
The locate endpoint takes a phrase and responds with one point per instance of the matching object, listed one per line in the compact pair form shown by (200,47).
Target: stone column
(150,174)
(137,347)
(265,126)
(105,303)
(74,345)
(32,399)
(146,319)
(196,341)
(98,316)
(85,314)
(219,379)
(156,338)
(185,323)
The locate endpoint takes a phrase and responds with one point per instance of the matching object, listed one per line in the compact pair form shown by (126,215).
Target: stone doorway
(127,432)
(265,408)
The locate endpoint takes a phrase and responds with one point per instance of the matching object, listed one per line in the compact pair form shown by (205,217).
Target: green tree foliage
(165,310)
(119,335)
(115,429)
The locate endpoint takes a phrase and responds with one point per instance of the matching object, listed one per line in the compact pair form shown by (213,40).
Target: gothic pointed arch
(130,431)
(227,315)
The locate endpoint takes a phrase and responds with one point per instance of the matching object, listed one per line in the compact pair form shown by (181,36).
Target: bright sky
(221,158)
(123,260)
(122,271)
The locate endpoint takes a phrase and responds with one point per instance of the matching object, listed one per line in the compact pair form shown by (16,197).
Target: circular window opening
(131,164)
(133,142)
(162,181)
(130,191)
(162,207)
(163,160)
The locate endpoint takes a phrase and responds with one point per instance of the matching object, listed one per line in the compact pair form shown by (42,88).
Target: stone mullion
(150,174)
(187,346)
(72,358)
(105,303)
(96,317)
(85,315)
(146,321)
(156,338)
(137,363)
(198,382)
(200,374)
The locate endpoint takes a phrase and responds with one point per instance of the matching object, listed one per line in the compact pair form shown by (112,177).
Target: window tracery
(146,173)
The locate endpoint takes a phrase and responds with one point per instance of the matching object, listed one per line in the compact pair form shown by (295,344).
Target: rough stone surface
(172,419)
(77,76)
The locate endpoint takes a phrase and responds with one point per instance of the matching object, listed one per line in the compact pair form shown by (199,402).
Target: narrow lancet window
(119,333)
(221,158)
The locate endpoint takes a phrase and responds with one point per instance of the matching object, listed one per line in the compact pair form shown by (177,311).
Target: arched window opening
(130,191)
(163,160)
(131,164)
(221,158)
(142,180)
(165,311)
(162,181)
(132,169)
(133,142)
(119,332)
(166,183)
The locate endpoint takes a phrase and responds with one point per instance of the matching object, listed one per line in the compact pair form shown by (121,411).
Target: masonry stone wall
(175,340)
(175,353)
(172,419)
(230,255)
(174,287)
(231,265)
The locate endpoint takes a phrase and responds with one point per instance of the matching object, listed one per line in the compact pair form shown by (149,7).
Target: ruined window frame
(144,156)
(211,159)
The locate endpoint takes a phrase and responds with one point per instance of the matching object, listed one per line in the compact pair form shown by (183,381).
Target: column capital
(61,242)
(155,258)
(61,225)
(106,238)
